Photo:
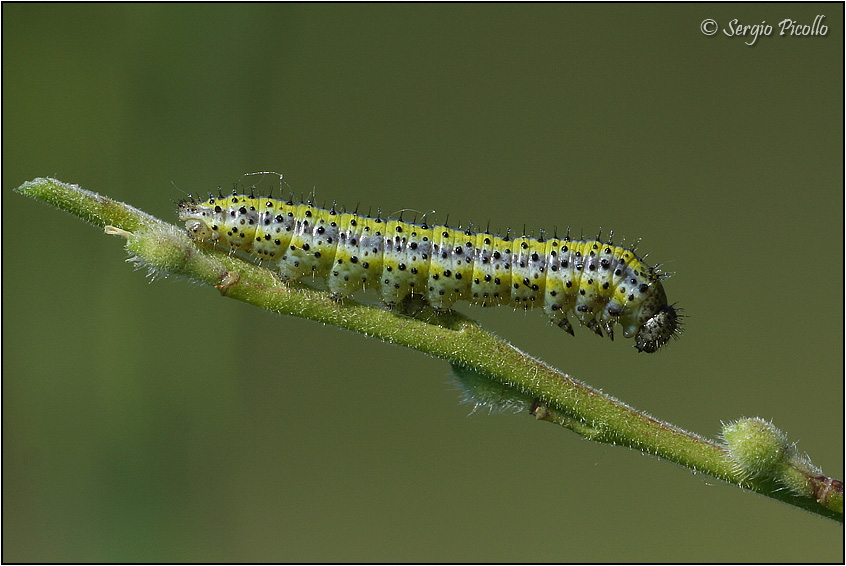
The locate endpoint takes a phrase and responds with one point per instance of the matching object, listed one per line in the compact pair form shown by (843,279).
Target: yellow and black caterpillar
(599,283)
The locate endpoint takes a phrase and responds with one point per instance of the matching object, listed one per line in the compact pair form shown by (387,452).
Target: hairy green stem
(558,398)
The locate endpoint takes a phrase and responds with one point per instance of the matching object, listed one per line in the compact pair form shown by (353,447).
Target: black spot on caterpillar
(597,282)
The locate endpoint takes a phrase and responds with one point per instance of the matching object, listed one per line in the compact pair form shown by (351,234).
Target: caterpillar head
(195,221)
(658,329)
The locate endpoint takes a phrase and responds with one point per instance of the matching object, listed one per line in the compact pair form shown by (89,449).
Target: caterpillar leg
(558,315)
(411,305)
(597,328)
(565,324)
(604,321)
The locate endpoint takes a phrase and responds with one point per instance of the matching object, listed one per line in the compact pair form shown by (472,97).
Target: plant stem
(559,398)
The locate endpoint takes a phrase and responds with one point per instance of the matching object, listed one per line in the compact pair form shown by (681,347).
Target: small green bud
(160,248)
(760,449)
(796,480)
(755,445)
(483,391)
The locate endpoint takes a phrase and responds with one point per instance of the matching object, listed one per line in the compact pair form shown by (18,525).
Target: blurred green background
(161,422)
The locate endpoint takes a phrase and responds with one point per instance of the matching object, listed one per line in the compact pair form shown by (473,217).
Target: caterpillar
(600,284)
